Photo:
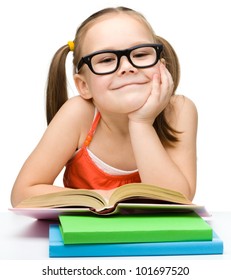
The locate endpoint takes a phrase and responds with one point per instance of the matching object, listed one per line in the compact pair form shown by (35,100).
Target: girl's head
(92,36)
(80,48)
(97,17)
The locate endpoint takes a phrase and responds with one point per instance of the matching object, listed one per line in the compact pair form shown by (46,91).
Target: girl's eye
(107,60)
(140,55)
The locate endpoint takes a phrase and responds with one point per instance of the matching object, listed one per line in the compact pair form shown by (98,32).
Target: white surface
(32,31)
(26,238)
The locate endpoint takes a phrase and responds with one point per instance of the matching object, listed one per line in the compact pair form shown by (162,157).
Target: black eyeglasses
(107,61)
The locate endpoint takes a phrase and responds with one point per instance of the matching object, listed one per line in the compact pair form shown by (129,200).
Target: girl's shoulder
(79,106)
(74,118)
(181,102)
(181,109)
(76,111)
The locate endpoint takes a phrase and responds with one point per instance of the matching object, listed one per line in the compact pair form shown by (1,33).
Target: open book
(99,203)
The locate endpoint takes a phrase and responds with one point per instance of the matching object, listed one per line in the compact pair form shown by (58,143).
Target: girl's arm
(56,147)
(170,167)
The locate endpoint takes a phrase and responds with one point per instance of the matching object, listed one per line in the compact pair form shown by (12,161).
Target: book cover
(134,228)
(58,249)
(122,208)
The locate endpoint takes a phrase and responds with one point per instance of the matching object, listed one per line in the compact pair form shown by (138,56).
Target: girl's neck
(115,123)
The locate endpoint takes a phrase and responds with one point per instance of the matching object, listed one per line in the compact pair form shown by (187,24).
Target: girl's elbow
(18,194)
(191,191)
(13,199)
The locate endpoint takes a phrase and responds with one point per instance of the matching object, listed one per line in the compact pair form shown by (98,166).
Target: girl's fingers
(166,79)
(156,84)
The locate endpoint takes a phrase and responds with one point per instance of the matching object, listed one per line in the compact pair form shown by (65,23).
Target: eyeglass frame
(119,53)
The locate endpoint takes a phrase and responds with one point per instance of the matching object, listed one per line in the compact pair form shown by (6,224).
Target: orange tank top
(82,173)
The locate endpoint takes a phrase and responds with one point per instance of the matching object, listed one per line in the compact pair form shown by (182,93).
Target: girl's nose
(125,66)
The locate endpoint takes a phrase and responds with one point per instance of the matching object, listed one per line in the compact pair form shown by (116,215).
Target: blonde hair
(56,93)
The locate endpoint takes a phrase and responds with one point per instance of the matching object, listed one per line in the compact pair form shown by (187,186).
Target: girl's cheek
(154,70)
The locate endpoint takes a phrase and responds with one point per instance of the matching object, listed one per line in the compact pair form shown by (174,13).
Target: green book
(88,229)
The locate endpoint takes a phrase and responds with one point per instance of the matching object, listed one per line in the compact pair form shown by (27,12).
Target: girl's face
(128,88)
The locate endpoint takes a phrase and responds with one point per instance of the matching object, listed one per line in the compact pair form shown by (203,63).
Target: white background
(32,31)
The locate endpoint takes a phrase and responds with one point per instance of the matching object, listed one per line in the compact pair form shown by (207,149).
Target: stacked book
(133,220)
(87,235)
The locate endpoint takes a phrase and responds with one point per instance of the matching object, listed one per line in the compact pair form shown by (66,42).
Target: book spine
(136,236)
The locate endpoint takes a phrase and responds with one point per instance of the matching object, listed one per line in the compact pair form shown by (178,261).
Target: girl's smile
(128,81)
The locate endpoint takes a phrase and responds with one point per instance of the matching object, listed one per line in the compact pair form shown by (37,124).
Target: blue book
(58,249)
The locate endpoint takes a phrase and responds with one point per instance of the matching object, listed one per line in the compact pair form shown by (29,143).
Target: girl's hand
(158,99)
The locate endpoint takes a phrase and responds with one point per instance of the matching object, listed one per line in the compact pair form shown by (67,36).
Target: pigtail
(56,92)
(166,133)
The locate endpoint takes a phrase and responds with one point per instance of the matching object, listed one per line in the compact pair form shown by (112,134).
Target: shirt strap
(92,130)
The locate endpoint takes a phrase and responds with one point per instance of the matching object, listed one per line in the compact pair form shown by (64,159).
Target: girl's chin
(125,101)
(129,105)
(134,100)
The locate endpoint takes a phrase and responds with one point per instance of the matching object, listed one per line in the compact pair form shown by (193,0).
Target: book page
(69,197)
(106,194)
(139,190)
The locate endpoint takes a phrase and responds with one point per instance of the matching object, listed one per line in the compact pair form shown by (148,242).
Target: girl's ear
(82,86)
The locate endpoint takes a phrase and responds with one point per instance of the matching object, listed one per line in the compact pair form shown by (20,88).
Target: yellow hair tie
(71,45)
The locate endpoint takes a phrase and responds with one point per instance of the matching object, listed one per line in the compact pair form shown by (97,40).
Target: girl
(127,125)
